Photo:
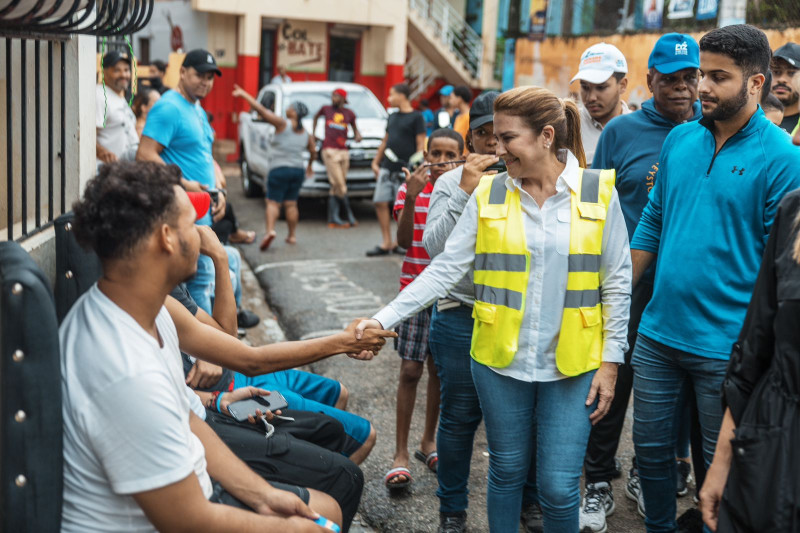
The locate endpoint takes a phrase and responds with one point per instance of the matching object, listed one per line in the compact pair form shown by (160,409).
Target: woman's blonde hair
(539,107)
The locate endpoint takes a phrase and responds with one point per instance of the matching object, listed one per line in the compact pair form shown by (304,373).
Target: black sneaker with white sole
(633,489)
(453,522)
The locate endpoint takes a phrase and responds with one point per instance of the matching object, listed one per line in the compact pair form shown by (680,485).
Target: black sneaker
(531,518)
(684,475)
(633,489)
(453,522)
(378,251)
(247,319)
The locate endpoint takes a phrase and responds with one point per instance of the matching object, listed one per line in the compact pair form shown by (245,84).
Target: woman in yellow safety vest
(552,278)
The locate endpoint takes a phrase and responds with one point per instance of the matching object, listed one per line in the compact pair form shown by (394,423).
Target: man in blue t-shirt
(718,187)
(177,132)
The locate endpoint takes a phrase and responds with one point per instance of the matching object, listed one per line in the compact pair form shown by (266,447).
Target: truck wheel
(251,188)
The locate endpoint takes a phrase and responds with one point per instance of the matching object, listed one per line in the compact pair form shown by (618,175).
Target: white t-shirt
(119,134)
(126,416)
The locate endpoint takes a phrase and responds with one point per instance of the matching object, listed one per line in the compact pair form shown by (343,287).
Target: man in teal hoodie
(706,224)
(631,144)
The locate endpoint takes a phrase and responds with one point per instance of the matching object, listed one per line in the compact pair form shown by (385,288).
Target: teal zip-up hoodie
(708,219)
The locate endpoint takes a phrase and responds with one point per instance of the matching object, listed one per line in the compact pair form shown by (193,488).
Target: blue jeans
(543,422)
(660,374)
(460,410)
(201,286)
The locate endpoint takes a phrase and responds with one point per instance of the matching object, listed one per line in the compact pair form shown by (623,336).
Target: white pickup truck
(255,136)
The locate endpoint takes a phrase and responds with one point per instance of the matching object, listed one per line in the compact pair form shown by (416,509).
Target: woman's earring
(547,146)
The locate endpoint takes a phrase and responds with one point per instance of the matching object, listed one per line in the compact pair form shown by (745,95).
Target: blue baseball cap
(674,52)
(447,90)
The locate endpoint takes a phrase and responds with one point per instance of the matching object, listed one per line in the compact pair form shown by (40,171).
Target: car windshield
(361,103)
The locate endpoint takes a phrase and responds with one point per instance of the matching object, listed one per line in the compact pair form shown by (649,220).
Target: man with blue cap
(445,117)
(631,144)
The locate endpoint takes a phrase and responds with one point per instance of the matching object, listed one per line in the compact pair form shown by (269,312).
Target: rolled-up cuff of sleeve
(612,352)
(388,318)
(458,201)
(644,244)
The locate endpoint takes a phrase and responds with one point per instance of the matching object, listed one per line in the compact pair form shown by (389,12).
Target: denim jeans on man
(554,415)
(202,285)
(660,375)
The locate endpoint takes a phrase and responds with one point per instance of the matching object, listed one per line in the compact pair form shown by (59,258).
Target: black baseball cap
(482,110)
(113,57)
(789,52)
(202,61)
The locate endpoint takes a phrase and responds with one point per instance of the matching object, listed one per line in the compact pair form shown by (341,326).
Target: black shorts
(303,453)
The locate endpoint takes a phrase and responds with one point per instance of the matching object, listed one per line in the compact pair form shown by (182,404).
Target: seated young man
(266,367)
(307,449)
(137,458)
(360,436)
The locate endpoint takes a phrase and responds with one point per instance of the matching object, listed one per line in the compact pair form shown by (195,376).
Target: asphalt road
(323,283)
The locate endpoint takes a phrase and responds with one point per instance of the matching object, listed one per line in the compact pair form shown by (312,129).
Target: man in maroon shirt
(336,156)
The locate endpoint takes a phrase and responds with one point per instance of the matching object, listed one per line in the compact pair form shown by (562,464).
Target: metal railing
(35,109)
(67,17)
(450,28)
(420,75)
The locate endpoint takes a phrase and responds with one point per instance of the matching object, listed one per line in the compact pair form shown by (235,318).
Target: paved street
(322,284)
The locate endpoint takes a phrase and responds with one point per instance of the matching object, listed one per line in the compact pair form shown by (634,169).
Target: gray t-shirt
(448,201)
(287,148)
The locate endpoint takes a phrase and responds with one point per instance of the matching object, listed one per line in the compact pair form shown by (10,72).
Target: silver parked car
(255,136)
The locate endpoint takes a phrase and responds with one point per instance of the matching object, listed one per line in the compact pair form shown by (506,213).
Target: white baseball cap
(599,62)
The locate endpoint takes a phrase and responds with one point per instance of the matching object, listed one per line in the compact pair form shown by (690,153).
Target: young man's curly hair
(122,205)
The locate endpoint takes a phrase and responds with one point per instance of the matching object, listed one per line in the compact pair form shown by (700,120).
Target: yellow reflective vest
(503,264)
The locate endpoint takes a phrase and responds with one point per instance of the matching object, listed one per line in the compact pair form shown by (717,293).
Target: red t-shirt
(416,257)
(336,121)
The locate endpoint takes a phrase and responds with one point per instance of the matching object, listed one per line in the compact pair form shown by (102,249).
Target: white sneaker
(598,503)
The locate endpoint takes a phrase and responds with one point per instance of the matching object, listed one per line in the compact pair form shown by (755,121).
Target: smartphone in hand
(243,409)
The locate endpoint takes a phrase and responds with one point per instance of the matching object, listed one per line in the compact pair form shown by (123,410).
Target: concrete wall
(552,63)
(193,24)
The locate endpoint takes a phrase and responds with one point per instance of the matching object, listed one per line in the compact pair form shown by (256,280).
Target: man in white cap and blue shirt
(631,144)
(602,73)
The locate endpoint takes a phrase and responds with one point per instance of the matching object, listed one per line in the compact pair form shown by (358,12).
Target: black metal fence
(35,133)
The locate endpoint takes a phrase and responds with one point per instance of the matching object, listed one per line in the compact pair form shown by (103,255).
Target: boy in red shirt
(412,342)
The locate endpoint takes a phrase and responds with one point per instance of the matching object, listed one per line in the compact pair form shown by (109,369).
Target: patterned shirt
(416,257)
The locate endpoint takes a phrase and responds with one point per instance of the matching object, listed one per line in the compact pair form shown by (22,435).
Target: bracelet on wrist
(219,401)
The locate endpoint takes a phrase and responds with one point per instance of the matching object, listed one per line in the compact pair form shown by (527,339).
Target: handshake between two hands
(364,338)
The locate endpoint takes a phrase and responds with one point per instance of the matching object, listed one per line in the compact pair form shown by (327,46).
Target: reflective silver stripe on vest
(497,193)
(584,263)
(496,296)
(590,186)
(500,262)
(588,298)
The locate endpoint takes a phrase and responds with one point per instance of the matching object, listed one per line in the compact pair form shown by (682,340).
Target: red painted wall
(220,104)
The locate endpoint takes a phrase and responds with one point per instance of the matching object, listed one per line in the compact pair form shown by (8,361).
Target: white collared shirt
(547,232)
(591,131)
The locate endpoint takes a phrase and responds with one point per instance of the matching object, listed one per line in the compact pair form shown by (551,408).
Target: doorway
(267,63)
(342,59)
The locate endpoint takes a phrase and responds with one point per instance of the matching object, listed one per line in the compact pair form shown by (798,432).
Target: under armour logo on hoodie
(741,170)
